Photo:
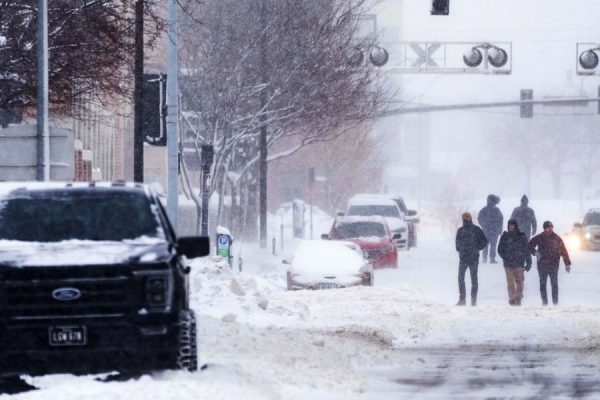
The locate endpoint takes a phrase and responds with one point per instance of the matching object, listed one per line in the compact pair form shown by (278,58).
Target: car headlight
(588,235)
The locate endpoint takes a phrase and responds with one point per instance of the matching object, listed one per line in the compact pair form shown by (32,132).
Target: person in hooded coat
(549,247)
(470,240)
(491,220)
(525,218)
(513,251)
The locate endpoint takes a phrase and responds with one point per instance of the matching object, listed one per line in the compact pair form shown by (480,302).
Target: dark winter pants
(544,274)
(462,269)
(491,246)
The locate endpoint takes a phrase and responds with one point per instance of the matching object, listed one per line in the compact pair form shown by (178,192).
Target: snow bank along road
(403,338)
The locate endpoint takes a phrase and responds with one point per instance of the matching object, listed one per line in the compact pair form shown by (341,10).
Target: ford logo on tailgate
(66,294)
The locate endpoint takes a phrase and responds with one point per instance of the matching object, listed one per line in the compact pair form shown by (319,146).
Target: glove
(527,267)
(568,268)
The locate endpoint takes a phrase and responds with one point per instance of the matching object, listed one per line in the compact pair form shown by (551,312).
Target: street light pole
(172,115)
(43,134)
(262,175)
(138,101)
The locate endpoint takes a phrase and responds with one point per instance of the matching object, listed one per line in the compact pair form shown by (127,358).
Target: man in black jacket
(470,240)
(550,248)
(525,218)
(513,251)
(491,220)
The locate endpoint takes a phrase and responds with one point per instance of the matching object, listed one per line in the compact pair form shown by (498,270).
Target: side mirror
(193,246)
(411,213)
(325,236)
(397,236)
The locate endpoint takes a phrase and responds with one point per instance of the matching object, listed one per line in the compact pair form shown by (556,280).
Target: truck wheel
(187,352)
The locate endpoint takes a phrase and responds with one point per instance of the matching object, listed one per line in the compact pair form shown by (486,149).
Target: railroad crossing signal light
(440,7)
(496,56)
(588,59)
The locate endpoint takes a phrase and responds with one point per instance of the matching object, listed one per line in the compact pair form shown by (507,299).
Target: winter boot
(517,302)
(473,301)
(493,261)
(511,302)
(461,302)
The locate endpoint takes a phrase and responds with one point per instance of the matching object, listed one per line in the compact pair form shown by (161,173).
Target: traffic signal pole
(43,132)
(172,116)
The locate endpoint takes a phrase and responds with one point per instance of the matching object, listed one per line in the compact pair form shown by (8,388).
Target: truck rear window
(54,216)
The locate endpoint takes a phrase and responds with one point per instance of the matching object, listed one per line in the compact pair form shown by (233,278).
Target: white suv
(362,205)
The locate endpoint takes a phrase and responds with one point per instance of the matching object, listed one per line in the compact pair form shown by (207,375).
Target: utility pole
(207,161)
(263,131)
(172,116)
(138,102)
(43,133)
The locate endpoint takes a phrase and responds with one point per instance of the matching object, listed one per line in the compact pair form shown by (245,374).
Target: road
(403,338)
(499,370)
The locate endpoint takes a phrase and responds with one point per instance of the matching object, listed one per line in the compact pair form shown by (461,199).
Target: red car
(372,235)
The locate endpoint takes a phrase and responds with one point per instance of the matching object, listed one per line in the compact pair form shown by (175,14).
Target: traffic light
(440,7)
(154,123)
(526,109)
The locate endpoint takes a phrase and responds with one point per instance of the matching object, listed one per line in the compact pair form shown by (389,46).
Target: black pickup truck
(92,279)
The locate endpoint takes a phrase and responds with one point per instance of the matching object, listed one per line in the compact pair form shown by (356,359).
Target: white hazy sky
(543,33)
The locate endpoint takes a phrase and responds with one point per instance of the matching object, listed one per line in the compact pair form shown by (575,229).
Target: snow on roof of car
(378,195)
(355,218)
(324,256)
(6,188)
(371,201)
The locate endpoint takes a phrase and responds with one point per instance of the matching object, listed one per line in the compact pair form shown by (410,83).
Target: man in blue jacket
(469,242)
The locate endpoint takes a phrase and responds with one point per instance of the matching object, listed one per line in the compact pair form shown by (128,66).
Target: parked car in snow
(586,235)
(325,264)
(93,279)
(410,216)
(374,205)
(373,236)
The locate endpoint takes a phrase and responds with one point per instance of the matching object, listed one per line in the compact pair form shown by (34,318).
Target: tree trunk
(556,180)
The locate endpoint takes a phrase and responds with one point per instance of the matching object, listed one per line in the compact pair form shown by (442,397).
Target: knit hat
(547,224)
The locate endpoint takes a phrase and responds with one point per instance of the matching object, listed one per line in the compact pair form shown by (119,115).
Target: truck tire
(187,352)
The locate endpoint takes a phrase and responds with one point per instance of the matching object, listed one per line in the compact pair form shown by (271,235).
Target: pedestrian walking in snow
(470,240)
(491,220)
(549,247)
(525,218)
(513,251)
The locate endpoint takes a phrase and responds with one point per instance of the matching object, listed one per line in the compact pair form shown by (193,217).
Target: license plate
(67,336)
(327,286)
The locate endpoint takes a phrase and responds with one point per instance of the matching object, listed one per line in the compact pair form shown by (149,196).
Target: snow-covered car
(93,279)
(371,234)
(367,206)
(325,264)
(410,216)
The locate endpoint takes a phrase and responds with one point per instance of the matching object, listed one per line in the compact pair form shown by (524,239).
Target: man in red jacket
(549,247)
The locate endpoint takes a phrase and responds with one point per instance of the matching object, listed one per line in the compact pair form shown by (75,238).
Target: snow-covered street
(403,338)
